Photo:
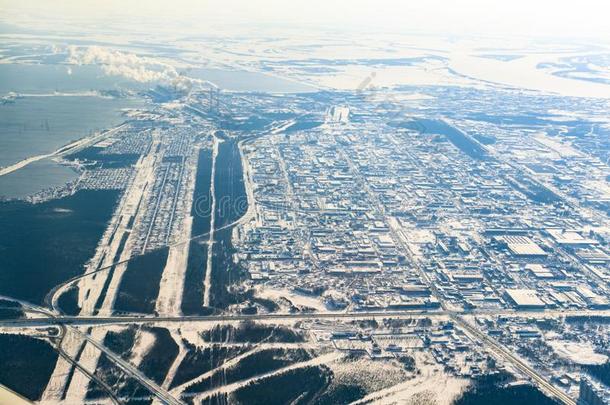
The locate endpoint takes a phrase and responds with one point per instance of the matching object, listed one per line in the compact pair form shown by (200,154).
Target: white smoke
(130,66)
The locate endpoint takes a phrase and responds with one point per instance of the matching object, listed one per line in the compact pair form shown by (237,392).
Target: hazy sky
(537,18)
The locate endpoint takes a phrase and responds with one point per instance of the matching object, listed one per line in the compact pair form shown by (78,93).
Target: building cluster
(105,179)
(563,350)
(367,216)
(321,231)
(167,201)
(395,339)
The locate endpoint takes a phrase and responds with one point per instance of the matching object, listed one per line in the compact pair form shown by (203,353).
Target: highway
(128,368)
(352,315)
(502,352)
(495,348)
(113,320)
(158,391)
(89,374)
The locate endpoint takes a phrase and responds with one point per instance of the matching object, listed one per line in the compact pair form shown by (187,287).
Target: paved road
(501,351)
(93,320)
(99,320)
(154,388)
(162,394)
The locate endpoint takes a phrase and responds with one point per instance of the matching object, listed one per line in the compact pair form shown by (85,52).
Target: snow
(561,148)
(432,384)
(296,299)
(225,365)
(350,77)
(324,359)
(171,287)
(370,375)
(144,342)
(523,73)
(171,373)
(577,352)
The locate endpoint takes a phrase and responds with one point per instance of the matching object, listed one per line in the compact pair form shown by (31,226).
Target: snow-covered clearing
(577,352)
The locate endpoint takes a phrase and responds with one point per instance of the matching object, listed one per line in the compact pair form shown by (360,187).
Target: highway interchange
(71,324)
